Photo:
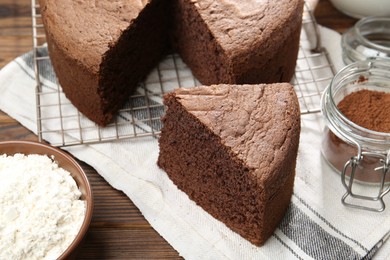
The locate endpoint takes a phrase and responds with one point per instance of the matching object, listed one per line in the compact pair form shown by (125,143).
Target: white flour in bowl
(40,208)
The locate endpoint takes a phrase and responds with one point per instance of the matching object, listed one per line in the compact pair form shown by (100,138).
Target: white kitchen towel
(316,226)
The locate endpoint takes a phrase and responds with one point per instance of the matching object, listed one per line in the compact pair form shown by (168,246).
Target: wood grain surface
(118,229)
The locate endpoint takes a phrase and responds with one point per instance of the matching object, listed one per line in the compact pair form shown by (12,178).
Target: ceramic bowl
(363,8)
(66,162)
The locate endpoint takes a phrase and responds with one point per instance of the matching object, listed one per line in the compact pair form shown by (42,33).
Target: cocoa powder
(337,153)
(367,108)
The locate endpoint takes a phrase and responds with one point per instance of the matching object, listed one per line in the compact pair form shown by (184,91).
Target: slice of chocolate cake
(232,149)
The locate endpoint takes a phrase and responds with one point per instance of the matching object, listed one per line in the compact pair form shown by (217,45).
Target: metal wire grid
(62,125)
(314,69)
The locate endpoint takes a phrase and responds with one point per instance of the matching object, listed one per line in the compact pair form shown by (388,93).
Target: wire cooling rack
(62,125)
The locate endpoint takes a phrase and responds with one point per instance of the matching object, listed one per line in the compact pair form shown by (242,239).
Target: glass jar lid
(369,37)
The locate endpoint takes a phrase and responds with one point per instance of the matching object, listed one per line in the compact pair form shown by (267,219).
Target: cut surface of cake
(101,50)
(238,42)
(232,149)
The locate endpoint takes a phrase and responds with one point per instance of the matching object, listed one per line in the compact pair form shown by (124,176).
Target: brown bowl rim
(26,146)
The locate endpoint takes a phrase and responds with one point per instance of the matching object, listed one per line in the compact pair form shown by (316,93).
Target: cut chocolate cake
(232,149)
(238,42)
(100,50)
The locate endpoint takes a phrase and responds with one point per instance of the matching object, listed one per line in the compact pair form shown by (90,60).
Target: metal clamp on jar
(361,155)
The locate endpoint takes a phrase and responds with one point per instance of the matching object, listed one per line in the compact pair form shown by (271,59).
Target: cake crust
(232,149)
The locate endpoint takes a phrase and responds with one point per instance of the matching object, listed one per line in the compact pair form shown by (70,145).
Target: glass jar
(359,154)
(369,37)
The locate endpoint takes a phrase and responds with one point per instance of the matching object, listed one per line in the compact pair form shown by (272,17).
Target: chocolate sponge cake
(238,42)
(232,149)
(100,50)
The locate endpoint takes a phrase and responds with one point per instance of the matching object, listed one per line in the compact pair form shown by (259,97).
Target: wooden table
(118,229)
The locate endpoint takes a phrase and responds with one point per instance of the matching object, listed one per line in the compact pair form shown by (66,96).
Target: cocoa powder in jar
(371,110)
(367,108)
